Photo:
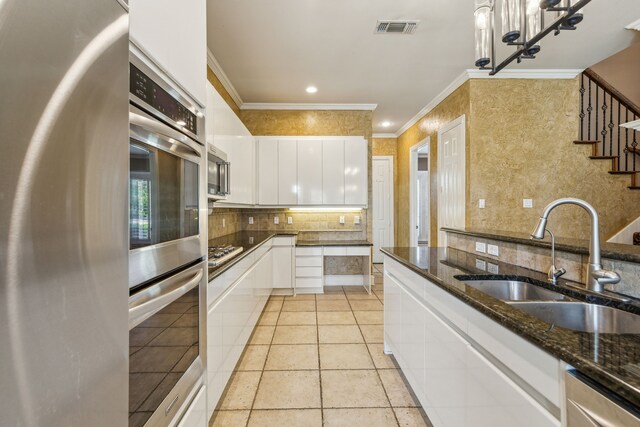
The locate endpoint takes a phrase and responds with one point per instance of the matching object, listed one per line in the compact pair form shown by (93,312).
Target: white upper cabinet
(174,35)
(287,172)
(356,176)
(333,178)
(268,172)
(310,172)
(225,131)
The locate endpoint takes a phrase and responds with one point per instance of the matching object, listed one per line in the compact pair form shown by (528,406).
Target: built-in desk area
(321,263)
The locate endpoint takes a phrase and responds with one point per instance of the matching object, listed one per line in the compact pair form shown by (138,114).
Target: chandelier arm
(554,26)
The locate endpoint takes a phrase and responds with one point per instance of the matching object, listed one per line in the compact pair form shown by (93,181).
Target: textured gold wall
(389,147)
(213,79)
(455,105)
(521,146)
(315,123)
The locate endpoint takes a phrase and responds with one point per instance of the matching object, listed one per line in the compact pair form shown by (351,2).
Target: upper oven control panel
(150,92)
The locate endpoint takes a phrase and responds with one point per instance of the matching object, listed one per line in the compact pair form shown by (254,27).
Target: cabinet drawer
(359,251)
(283,240)
(315,250)
(307,282)
(335,251)
(308,271)
(309,261)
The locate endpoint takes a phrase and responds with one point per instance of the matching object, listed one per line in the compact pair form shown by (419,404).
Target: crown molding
(305,106)
(525,74)
(484,74)
(455,84)
(212,62)
(632,125)
(384,135)
(635,25)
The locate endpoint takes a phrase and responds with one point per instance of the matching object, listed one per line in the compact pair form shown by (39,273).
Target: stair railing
(602,110)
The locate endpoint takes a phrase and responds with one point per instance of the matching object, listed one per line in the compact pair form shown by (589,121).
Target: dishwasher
(589,404)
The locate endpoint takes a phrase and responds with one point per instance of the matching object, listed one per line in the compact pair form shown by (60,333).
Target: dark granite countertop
(629,253)
(249,240)
(612,360)
(333,243)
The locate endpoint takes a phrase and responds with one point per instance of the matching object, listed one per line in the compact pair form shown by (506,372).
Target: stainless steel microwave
(219,174)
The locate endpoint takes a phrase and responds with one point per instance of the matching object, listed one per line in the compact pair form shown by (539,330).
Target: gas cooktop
(218,255)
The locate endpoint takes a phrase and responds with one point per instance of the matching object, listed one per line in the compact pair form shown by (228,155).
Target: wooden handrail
(631,106)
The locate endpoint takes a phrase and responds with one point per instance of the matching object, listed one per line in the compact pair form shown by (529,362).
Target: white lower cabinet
(459,382)
(232,316)
(283,254)
(196,415)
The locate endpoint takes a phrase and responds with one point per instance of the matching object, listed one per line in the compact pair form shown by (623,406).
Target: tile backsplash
(539,259)
(311,225)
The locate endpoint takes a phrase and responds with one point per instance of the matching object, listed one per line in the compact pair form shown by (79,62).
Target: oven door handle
(149,130)
(149,301)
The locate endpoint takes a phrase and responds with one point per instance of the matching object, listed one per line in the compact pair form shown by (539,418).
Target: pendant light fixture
(533,24)
(523,26)
(484,31)
(511,20)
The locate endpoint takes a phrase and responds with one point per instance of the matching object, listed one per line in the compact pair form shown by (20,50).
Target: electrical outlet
(481,265)
(250,220)
(493,250)
(492,268)
(356,219)
(251,240)
(341,219)
(224,222)
(289,220)
(276,220)
(527,203)
(481,203)
(481,247)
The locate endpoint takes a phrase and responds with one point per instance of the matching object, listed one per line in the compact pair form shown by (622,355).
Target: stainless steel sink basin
(511,290)
(581,316)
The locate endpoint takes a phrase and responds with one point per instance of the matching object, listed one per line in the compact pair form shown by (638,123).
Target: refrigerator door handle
(148,301)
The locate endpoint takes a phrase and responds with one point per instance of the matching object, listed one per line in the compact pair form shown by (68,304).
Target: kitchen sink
(513,290)
(581,316)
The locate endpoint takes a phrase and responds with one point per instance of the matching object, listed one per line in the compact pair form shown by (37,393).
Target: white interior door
(423,207)
(382,204)
(451,177)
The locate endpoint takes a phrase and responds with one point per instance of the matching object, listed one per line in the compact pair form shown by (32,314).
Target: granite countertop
(629,253)
(249,240)
(333,243)
(612,360)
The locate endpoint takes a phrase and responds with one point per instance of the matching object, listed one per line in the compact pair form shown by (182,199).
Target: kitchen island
(467,354)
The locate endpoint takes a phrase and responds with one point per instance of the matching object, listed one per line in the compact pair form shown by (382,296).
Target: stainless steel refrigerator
(63,213)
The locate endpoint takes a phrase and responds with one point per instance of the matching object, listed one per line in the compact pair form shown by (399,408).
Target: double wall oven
(167,247)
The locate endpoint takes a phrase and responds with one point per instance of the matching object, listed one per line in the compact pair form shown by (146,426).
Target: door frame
(391,197)
(413,176)
(442,237)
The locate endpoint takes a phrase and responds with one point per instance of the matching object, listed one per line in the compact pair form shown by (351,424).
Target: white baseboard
(345,280)
(282,291)
(301,291)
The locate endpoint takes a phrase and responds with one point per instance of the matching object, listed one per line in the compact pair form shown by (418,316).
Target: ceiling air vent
(396,27)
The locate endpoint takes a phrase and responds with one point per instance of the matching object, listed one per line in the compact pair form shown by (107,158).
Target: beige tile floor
(317,360)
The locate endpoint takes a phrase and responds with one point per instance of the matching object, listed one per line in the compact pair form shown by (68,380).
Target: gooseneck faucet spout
(597,277)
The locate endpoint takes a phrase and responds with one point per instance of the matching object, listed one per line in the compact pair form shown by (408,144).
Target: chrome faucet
(554,272)
(597,277)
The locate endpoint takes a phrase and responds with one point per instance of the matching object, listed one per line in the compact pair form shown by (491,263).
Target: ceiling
(272,50)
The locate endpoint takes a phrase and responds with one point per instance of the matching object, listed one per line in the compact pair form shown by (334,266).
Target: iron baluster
(610,125)
(589,110)
(582,90)
(626,140)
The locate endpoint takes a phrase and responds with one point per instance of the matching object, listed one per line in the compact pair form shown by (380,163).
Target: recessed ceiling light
(385,124)
(311,89)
